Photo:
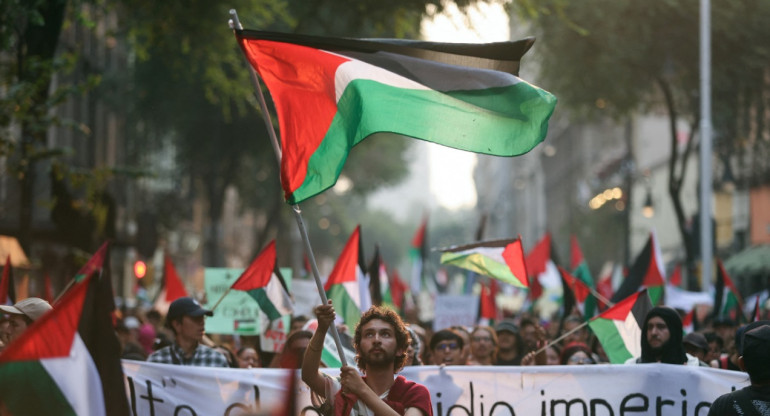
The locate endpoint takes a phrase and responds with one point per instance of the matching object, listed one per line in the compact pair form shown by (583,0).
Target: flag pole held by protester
(464,96)
(236,25)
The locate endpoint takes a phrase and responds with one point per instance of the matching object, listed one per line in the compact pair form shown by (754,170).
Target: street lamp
(648,210)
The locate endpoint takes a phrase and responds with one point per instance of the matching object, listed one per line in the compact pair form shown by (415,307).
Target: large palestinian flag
(332,93)
(263,281)
(344,285)
(68,361)
(646,272)
(500,259)
(619,328)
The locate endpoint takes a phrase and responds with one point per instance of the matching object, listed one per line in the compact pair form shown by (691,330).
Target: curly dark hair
(402,335)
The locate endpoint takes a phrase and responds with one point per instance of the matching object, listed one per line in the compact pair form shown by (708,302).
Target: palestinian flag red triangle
(263,282)
(95,263)
(646,272)
(70,357)
(619,328)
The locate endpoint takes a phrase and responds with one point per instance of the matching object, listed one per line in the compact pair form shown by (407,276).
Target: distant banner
(238,312)
(595,390)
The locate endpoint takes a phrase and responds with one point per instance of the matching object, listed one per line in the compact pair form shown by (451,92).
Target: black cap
(697,340)
(506,325)
(186,307)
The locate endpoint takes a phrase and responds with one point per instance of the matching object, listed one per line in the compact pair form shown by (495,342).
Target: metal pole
(235,23)
(706,244)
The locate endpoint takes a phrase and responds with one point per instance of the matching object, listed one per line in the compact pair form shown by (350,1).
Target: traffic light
(140,269)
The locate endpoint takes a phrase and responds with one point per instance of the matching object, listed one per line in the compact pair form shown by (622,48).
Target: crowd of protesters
(180,339)
(509,342)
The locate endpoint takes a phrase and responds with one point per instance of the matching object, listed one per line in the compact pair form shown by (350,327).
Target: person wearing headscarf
(662,339)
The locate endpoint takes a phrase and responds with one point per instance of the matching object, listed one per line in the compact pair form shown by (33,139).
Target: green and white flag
(501,259)
(68,361)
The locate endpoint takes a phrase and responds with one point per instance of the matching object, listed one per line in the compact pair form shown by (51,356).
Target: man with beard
(662,339)
(380,341)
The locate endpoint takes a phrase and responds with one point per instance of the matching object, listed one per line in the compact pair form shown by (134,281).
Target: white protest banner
(589,390)
(454,310)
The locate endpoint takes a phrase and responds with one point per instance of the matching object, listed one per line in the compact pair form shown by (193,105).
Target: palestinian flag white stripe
(631,334)
(78,380)
(278,296)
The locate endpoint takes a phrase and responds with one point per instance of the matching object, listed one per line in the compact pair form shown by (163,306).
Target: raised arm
(312,360)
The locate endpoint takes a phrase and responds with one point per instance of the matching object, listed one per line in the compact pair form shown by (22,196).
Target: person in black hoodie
(662,339)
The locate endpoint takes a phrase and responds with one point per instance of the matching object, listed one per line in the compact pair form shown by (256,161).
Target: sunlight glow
(451,170)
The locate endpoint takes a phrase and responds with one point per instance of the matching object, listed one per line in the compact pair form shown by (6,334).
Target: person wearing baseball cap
(509,341)
(754,350)
(185,318)
(21,315)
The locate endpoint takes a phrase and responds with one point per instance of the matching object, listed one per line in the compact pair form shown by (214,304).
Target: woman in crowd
(248,357)
(483,346)
(576,353)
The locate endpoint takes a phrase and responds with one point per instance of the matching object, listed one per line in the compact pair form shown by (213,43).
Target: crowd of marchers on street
(385,344)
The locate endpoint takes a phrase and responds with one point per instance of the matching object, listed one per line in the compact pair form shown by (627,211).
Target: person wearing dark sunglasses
(446,348)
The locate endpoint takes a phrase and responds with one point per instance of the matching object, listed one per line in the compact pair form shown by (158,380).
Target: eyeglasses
(482,339)
(444,345)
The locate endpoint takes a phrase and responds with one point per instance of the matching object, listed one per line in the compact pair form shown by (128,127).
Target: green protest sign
(237,313)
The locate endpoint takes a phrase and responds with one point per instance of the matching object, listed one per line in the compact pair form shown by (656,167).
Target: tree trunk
(675,179)
(35,50)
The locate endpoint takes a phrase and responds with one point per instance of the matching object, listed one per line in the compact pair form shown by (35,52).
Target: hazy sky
(450,170)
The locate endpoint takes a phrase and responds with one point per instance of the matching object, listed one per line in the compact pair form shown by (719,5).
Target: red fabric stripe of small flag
(347,264)
(513,254)
(576,255)
(620,311)
(539,255)
(488,306)
(397,289)
(258,274)
(174,286)
(419,236)
(579,288)
(676,276)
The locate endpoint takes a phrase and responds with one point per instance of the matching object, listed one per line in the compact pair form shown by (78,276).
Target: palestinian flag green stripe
(481,264)
(520,113)
(267,306)
(42,394)
(344,304)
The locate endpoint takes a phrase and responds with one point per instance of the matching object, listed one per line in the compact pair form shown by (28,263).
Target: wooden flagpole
(236,24)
